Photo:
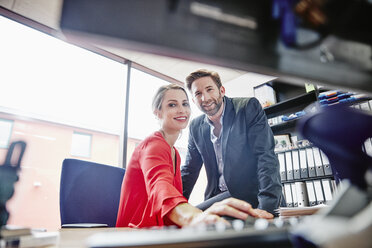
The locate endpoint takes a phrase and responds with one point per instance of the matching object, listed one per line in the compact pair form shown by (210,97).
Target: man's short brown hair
(203,73)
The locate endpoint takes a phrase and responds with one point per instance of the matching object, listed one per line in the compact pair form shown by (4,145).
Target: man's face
(207,96)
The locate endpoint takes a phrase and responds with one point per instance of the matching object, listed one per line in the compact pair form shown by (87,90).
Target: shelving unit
(306,174)
(307,179)
(285,127)
(304,189)
(288,107)
(292,105)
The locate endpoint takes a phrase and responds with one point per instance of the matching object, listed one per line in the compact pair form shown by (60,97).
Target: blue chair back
(89,192)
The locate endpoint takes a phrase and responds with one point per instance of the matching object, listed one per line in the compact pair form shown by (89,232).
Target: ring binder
(302,197)
(303,164)
(288,195)
(326,165)
(310,162)
(311,193)
(294,195)
(318,162)
(318,192)
(296,165)
(327,189)
(288,162)
(281,158)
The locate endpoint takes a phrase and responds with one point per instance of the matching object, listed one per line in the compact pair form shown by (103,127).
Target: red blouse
(150,187)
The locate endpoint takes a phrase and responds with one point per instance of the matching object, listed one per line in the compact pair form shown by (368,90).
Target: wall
(36,199)
(243,85)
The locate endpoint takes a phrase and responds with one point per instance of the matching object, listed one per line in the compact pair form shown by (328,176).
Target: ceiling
(47,12)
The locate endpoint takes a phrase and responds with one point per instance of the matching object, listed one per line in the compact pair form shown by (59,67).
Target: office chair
(89,193)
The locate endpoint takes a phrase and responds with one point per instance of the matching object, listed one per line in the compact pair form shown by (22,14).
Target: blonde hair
(159,95)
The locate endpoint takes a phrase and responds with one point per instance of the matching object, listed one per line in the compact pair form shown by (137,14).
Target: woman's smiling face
(175,110)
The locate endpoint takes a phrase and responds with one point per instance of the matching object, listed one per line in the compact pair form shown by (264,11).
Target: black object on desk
(340,132)
(84,225)
(8,176)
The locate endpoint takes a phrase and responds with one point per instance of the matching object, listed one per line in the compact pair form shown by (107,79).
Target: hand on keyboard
(237,209)
(228,207)
(262,214)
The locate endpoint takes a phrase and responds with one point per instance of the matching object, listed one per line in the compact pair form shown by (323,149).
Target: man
(235,143)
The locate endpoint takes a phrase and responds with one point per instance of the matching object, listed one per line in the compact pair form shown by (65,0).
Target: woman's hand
(207,218)
(185,214)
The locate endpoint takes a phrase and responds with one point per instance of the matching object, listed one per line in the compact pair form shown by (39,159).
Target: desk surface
(76,237)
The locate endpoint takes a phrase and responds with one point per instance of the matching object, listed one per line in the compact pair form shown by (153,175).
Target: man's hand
(238,209)
(185,214)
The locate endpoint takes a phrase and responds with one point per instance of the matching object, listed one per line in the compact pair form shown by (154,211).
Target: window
(51,89)
(5,132)
(81,144)
(49,79)
(142,88)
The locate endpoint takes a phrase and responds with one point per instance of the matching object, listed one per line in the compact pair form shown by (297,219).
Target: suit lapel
(228,119)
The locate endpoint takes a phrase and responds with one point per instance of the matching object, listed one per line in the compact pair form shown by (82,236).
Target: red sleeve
(157,168)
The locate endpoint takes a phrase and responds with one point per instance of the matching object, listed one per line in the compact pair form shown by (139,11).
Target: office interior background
(67,99)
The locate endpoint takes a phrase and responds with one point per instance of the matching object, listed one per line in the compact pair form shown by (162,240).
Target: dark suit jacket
(251,168)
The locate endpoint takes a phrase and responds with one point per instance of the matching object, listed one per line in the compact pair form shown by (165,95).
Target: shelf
(284,127)
(295,149)
(292,105)
(289,126)
(361,100)
(285,91)
(308,179)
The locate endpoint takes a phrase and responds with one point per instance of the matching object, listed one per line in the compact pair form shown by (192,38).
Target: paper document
(299,211)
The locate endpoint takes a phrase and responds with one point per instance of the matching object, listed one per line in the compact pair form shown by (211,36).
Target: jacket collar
(228,119)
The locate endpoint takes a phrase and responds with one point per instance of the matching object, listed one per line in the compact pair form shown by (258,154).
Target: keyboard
(251,233)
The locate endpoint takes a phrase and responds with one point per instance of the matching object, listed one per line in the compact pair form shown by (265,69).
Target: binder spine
(318,192)
(302,197)
(310,162)
(327,189)
(294,195)
(318,162)
(288,195)
(303,164)
(326,165)
(289,166)
(311,193)
(282,167)
(296,165)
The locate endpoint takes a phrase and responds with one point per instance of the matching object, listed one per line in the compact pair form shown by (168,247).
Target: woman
(151,192)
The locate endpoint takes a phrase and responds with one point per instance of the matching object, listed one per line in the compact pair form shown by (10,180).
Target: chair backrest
(89,192)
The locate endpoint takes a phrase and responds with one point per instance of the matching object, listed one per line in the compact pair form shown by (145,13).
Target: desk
(75,237)
(271,237)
